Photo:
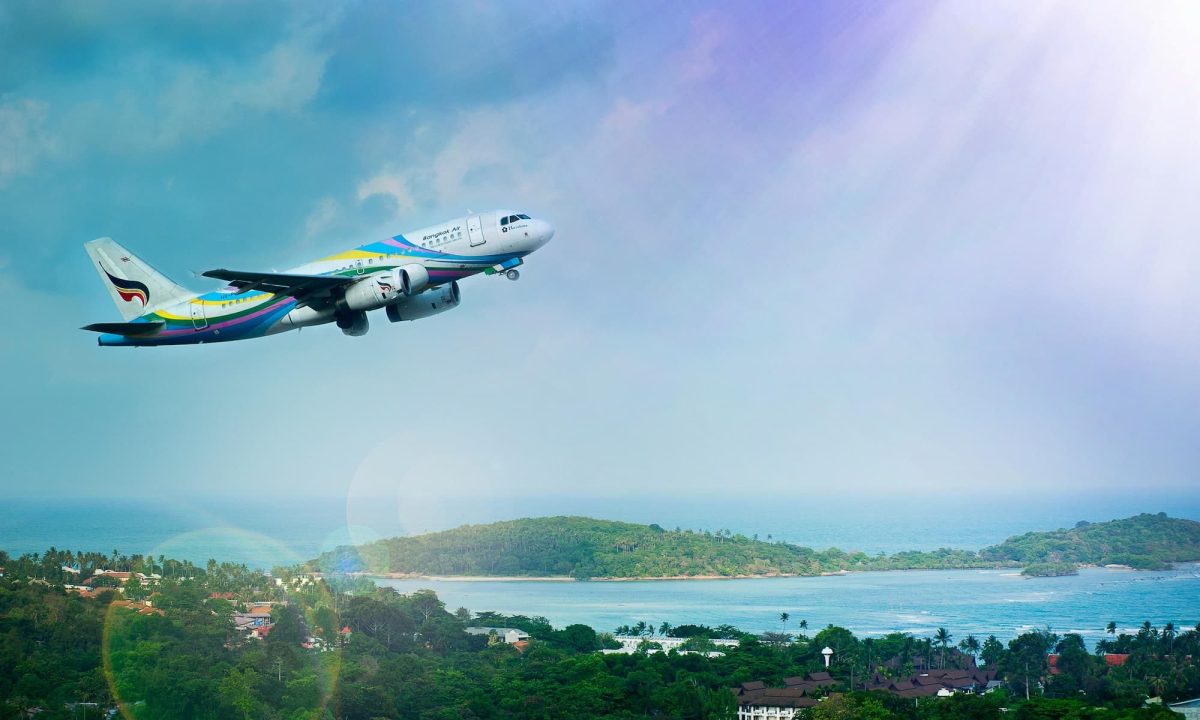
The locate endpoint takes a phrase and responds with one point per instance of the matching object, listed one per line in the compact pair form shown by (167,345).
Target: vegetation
(407,656)
(1050,569)
(585,548)
(1145,542)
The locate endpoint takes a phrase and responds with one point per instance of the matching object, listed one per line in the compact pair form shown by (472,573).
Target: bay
(979,602)
(266,531)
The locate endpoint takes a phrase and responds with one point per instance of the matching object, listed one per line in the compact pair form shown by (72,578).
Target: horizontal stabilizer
(127,329)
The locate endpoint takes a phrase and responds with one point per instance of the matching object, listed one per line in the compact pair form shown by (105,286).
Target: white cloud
(149,102)
(321,217)
(389,184)
(24,138)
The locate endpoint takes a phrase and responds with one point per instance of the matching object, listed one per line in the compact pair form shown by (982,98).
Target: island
(581,548)
(1050,569)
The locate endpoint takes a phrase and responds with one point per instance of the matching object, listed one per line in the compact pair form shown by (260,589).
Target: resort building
(756,701)
(512,636)
(630,643)
(1188,708)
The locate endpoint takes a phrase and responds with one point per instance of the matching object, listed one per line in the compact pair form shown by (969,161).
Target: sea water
(264,531)
(979,602)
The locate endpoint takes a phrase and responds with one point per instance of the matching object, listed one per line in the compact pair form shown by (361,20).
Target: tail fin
(136,288)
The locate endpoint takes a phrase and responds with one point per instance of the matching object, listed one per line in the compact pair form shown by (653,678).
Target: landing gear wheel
(512,274)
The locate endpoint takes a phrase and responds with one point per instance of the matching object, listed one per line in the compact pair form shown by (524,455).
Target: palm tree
(1111,628)
(664,629)
(783,618)
(803,624)
(943,637)
(969,645)
(1168,635)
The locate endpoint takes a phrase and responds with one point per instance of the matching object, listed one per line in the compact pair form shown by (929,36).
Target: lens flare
(225,608)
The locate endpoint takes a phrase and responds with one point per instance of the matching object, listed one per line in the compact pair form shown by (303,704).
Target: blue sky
(803,249)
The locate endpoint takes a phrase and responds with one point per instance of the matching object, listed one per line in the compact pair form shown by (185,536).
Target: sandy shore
(567,578)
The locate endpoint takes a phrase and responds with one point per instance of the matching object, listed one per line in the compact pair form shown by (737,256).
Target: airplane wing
(298,286)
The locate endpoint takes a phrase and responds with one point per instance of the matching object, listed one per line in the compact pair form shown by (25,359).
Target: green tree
(943,638)
(237,688)
(992,651)
(969,645)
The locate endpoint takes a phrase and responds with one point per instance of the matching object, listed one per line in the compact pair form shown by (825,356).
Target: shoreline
(660,578)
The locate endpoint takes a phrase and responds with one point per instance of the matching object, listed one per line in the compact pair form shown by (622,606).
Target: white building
(630,643)
(508,635)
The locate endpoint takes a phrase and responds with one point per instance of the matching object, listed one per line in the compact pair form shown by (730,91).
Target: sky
(852,250)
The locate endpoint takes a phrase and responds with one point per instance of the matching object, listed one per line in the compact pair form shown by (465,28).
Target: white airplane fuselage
(410,276)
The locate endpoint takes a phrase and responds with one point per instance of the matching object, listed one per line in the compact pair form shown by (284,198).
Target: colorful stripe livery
(490,242)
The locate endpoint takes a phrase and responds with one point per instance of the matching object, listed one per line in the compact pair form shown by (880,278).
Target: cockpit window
(523,217)
(504,221)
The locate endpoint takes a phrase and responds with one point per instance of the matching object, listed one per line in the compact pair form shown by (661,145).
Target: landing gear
(513,274)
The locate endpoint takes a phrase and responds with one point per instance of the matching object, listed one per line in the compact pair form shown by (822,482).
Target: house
(252,618)
(502,634)
(122,576)
(630,643)
(141,608)
(1187,708)
(758,702)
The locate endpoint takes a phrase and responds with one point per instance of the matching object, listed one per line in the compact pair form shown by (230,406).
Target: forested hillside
(1146,542)
(585,548)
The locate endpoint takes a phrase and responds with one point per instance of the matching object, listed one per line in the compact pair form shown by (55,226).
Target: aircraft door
(199,321)
(475,230)
(358,267)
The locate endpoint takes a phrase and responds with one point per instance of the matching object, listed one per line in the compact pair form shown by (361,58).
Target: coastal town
(289,623)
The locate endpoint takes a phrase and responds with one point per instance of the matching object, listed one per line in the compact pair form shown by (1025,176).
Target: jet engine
(412,279)
(431,302)
(375,291)
(368,294)
(353,324)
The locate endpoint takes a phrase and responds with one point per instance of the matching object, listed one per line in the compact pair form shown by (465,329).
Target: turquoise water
(869,603)
(264,531)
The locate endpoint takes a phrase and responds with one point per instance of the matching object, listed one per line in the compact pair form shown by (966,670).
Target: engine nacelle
(369,294)
(430,302)
(412,279)
(353,324)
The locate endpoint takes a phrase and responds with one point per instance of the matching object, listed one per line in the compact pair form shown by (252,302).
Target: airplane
(411,276)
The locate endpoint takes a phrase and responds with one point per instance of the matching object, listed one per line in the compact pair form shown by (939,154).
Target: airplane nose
(541,232)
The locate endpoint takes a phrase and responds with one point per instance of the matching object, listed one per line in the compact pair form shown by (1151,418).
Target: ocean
(979,602)
(266,531)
